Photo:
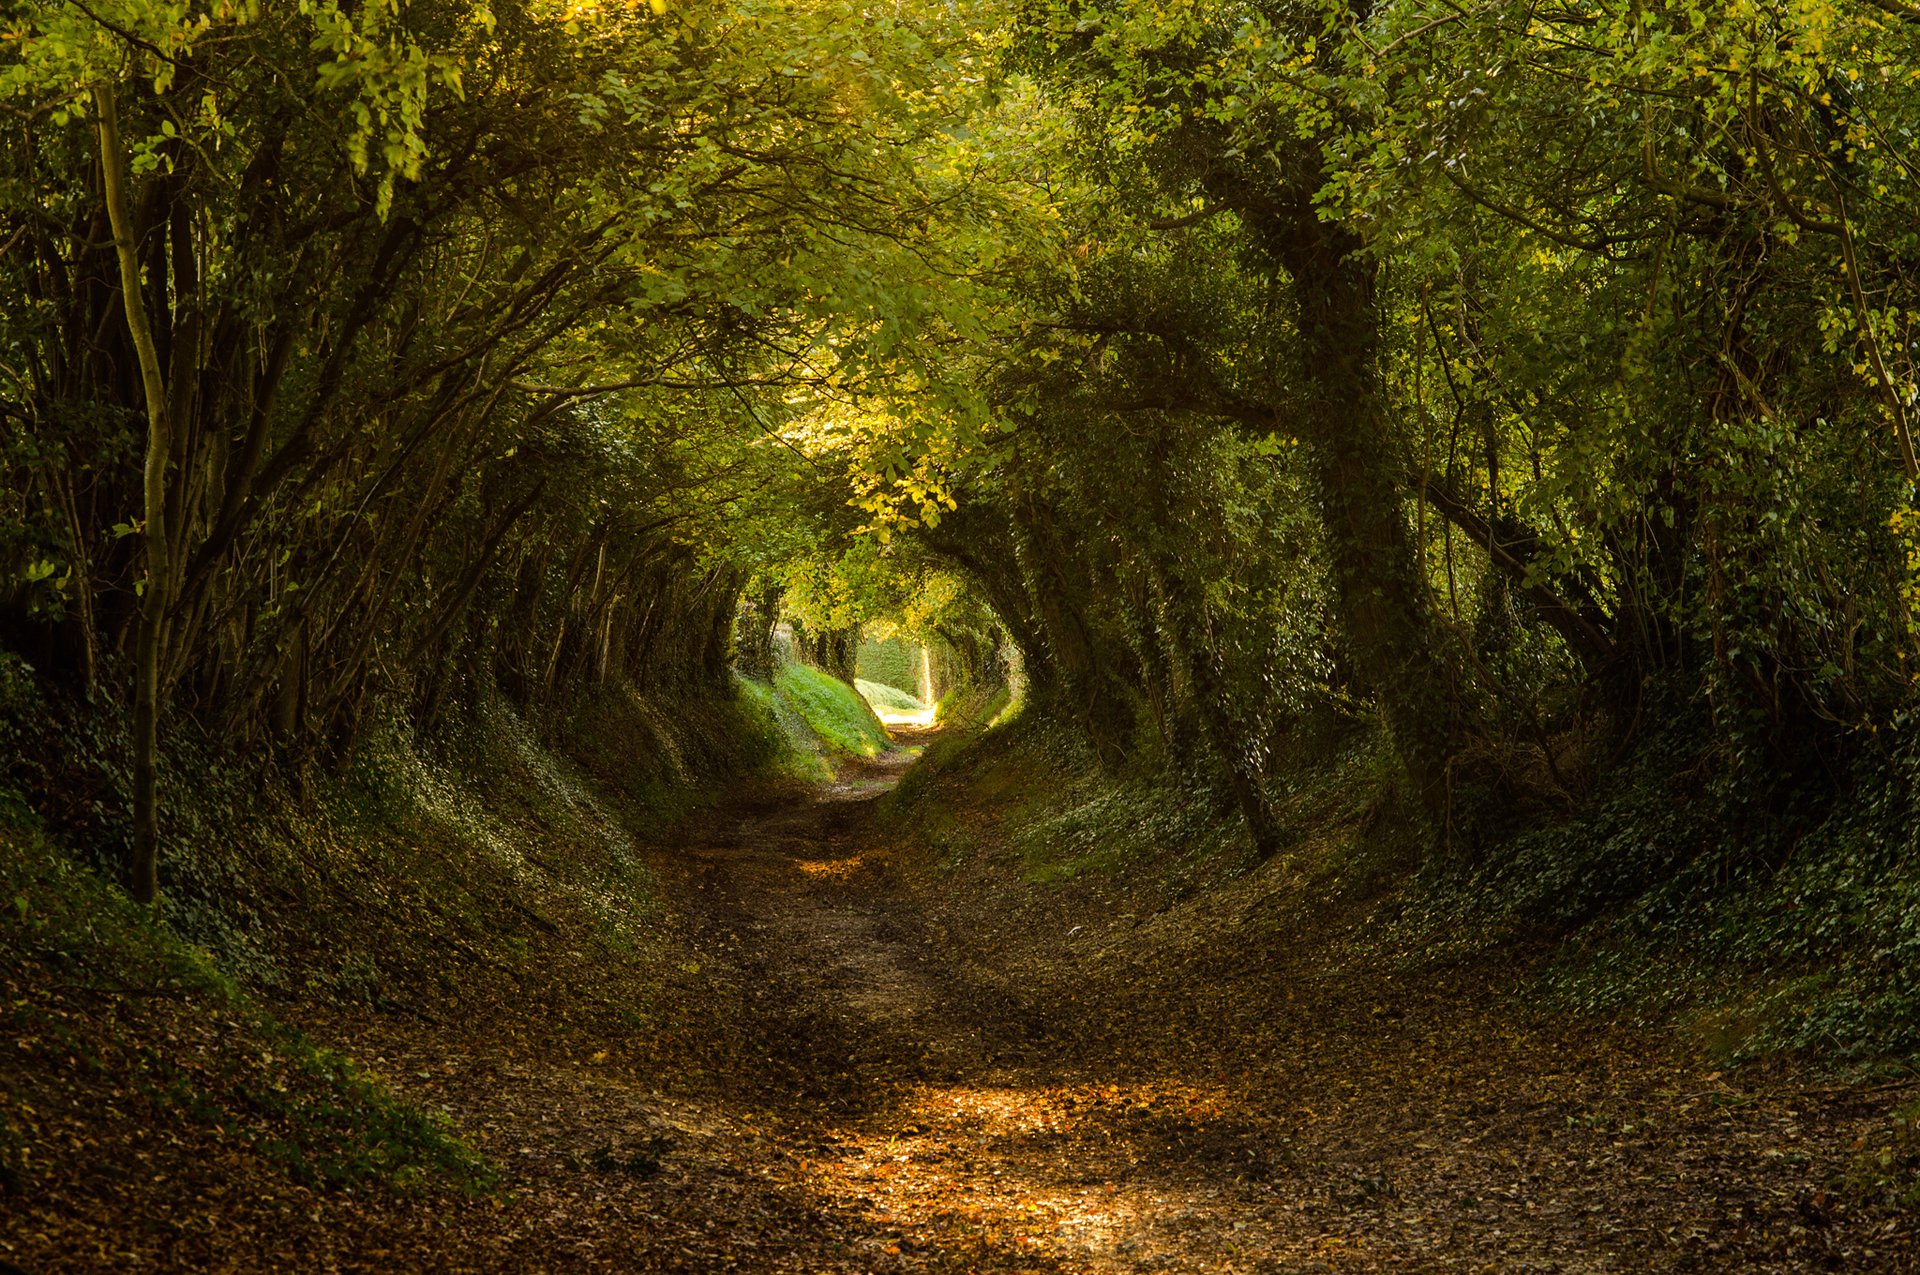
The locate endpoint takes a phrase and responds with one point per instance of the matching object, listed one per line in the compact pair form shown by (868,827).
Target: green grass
(881,695)
(801,758)
(832,709)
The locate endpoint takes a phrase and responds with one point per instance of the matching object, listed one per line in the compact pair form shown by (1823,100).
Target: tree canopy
(1496,377)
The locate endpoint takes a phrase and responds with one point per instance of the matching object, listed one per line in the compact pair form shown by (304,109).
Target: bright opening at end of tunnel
(896,679)
(922,716)
(892,711)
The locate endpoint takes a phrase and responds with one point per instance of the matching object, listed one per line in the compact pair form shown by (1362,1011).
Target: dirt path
(929,1097)
(985,1089)
(937,1101)
(885,1069)
(832,1052)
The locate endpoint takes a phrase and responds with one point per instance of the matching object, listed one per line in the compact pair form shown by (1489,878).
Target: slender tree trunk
(143,877)
(83,587)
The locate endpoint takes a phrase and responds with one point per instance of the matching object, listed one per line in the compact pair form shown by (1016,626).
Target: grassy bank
(882,696)
(494,879)
(834,713)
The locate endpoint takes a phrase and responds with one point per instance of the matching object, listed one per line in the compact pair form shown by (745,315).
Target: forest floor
(869,1061)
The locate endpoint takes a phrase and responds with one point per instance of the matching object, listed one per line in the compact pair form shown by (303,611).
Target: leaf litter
(858,1059)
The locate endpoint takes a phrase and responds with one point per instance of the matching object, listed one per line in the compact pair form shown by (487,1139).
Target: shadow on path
(877,1068)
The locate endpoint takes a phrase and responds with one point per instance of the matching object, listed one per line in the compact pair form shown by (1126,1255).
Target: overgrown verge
(489,880)
(1769,921)
(1669,899)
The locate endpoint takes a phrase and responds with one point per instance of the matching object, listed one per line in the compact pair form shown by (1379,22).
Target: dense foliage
(385,355)
(1508,380)
(1519,375)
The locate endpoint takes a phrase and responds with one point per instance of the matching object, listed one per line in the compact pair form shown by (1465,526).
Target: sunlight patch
(832,869)
(1049,1172)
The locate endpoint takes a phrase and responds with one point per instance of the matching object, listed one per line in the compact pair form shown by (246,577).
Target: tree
(467,331)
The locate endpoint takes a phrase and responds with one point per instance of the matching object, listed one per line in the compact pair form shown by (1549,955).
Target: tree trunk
(1190,636)
(1383,602)
(1089,675)
(143,877)
(838,649)
(757,618)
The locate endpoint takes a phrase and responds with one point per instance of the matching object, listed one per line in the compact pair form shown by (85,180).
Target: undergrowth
(1763,920)
(98,987)
(1675,896)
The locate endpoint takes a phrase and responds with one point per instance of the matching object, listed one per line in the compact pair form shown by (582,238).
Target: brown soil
(867,1062)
